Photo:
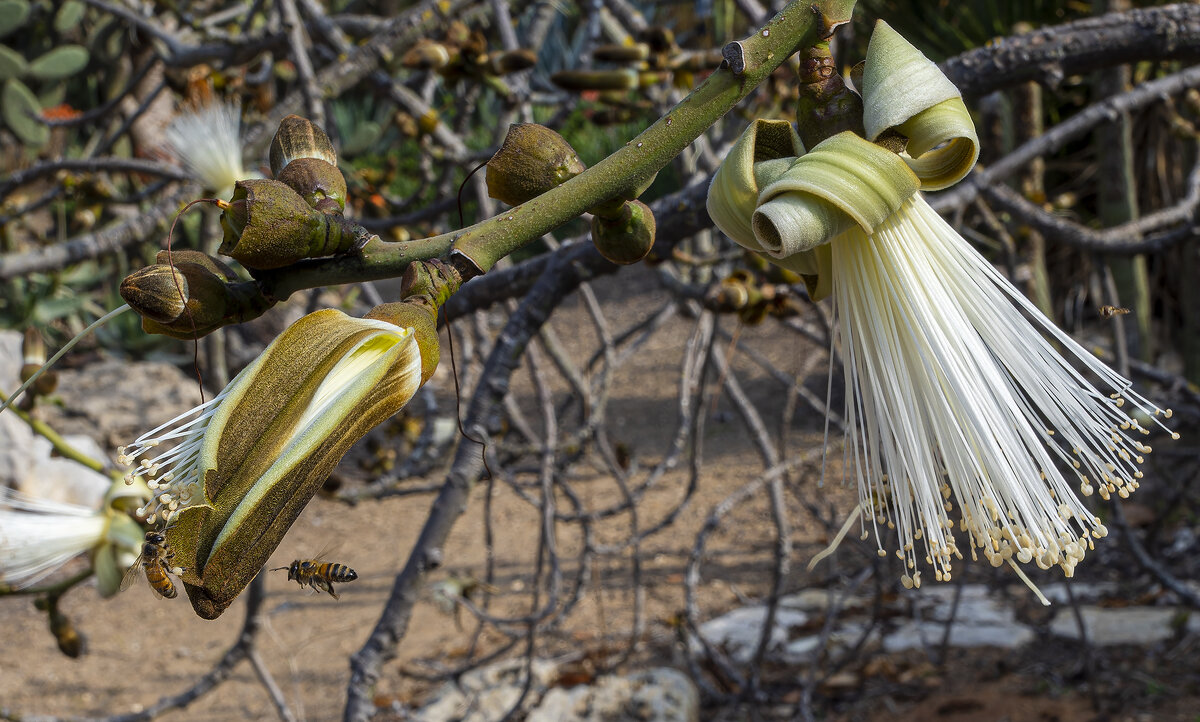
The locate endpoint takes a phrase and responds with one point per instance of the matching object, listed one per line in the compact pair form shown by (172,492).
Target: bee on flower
(975,424)
(244,465)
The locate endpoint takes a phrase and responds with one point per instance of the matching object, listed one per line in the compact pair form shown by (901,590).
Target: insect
(156,559)
(319,574)
(1110,311)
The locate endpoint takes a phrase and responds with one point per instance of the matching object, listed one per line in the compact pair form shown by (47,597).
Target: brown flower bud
(299,138)
(185,295)
(532,160)
(626,238)
(428,55)
(636,53)
(596,79)
(315,180)
(511,61)
(268,225)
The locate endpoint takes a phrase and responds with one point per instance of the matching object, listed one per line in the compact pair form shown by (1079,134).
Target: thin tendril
(462,185)
(187,309)
(458,400)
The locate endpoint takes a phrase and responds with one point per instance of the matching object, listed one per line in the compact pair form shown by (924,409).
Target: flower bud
(185,295)
(428,55)
(158,293)
(626,238)
(635,53)
(249,460)
(511,61)
(268,225)
(532,160)
(33,358)
(316,181)
(579,80)
(299,138)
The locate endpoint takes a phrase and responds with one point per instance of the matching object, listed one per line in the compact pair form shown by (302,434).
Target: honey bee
(319,574)
(1110,311)
(156,558)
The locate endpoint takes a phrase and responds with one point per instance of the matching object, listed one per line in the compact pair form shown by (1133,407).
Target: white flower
(972,418)
(958,400)
(208,142)
(39,536)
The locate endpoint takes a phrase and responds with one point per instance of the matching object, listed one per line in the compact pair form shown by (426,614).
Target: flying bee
(156,558)
(1110,311)
(319,574)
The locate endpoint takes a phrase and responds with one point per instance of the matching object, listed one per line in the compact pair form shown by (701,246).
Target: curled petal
(765,149)
(905,91)
(843,182)
(942,144)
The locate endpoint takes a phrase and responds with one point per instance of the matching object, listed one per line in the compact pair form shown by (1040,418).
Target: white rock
(1056,592)
(738,632)
(652,695)
(1122,625)
(26,461)
(59,479)
(963,633)
(487,694)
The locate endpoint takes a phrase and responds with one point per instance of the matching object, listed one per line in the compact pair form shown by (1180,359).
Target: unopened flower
(245,464)
(970,431)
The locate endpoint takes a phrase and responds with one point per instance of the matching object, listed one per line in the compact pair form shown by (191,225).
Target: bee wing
(132,573)
(326,550)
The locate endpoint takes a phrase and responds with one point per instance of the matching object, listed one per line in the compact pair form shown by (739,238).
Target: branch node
(735,56)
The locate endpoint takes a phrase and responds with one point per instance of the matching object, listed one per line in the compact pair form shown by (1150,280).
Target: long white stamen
(956,399)
(37,536)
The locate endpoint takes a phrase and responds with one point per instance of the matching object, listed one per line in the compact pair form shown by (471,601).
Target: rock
(738,632)
(652,695)
(981,620)
(1123,625)
(487,694)
(58,479)
(26,463)
(1056,592)
(114,401)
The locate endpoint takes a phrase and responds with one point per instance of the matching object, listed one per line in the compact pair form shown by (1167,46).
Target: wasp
(1110,311)
(156,558)
(319,574)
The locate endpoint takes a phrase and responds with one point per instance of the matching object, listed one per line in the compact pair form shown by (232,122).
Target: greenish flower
(245,464)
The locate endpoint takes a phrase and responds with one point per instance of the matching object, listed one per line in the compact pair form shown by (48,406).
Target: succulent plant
(22,108)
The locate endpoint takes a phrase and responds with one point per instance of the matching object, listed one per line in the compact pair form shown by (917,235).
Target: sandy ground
(141,648)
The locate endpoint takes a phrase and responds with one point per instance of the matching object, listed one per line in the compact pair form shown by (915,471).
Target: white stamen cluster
(208,143)
(955,397)
(38,536)
(174,475)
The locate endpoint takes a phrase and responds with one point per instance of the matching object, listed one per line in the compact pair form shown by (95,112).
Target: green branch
(477,248)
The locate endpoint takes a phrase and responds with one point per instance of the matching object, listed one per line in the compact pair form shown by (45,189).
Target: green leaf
(60,62)
(68,16)
(21,112)
(52,95)
(12,63)
(13,14)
